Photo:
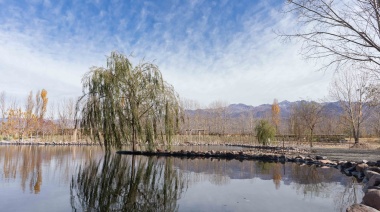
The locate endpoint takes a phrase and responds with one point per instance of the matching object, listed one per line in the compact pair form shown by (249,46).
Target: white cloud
(206,58)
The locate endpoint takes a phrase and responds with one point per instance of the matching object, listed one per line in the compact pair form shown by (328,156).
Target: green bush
(265,132)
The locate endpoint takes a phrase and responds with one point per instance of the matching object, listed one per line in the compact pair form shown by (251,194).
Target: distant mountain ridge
(260,111)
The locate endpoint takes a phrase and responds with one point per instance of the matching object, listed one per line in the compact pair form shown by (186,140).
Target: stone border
(349,168)
(371,198)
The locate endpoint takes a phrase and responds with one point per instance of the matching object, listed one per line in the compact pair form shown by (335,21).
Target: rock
(318,157)
(360,208)
(349,164)
(372,199)
(360,167)
(374,181)
(349,170)
(375,169)
(364,161)
(371,163)
(357,174)
(369,173)
(325,161)
(300,157)
(374,188)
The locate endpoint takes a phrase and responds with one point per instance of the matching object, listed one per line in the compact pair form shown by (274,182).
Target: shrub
(265,132)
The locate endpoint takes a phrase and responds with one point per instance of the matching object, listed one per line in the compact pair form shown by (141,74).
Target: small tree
(265,132)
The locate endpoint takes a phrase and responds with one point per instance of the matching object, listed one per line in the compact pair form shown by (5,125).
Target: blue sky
(208,50)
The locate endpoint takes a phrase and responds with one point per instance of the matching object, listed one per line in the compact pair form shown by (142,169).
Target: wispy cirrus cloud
(223,50)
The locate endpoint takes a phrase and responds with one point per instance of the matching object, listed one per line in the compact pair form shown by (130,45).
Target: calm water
(39,178)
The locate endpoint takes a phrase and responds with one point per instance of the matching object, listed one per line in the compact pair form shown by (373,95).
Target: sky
(222,50)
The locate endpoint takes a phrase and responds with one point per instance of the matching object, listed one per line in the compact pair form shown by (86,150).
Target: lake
(83,178)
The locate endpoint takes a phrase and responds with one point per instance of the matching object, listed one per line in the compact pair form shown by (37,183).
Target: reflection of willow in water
(127,183)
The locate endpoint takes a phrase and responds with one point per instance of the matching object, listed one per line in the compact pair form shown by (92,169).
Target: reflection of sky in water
(250,195)
(38,179)
(250,186)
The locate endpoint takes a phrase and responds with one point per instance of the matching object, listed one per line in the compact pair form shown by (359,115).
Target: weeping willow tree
(124,104)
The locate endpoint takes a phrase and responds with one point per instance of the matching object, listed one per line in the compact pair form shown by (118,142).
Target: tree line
(35,118)
(356,115)
(126,104)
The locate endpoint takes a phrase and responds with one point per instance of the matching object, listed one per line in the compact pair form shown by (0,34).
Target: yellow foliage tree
(44,103)
(276,114)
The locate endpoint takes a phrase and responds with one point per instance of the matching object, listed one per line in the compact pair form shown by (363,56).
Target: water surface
(65,178)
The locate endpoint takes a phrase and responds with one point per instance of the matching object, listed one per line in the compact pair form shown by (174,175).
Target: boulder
(300,157)
(318,157)
(375,169)
(374,187)
(368,173)
(372,198)
(349,170)
(360,208)
(325,161)
(361,167)
(371,163)
(374,181)
(348,164)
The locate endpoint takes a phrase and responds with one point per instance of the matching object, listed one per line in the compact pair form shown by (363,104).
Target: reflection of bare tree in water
(310,180)
(219,179)
(348,196)
(127,183)
(26,162)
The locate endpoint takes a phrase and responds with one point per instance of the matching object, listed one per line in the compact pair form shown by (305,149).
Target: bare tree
(66,116)
(343,32)
(310,114)
(219,110)
(3,112)
(30,118)
(351,90)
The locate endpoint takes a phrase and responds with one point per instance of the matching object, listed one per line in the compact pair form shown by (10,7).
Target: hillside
(261,111)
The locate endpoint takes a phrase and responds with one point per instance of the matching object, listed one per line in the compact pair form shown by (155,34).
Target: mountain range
(261,111)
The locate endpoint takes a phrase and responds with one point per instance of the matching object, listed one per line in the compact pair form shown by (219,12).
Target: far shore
(334,151)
